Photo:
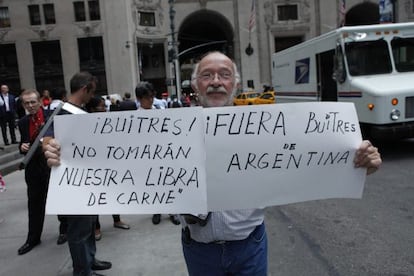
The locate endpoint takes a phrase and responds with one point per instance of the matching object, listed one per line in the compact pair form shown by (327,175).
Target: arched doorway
(366,13)
(200,32)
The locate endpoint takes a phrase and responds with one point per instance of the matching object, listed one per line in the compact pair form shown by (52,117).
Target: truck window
(368,58)
(403,52)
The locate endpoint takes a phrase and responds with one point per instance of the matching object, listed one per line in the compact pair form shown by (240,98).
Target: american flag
(342,11)
(252,19)
(386,10)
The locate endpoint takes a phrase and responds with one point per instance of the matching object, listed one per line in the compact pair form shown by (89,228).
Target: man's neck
(75,100)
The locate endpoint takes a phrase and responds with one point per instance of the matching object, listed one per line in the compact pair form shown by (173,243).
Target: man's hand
(51,148)
(25,147)
(367,156)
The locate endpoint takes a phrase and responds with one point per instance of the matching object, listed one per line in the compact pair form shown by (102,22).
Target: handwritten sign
(145,161)
(191,160)
(277,154)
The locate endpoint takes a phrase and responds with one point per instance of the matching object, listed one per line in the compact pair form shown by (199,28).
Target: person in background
(36,173)
(7,114)
(2,184)
(118,223)
(185,100)
(81,228)
(45,98)
(115,105)
(97,104)
(175,102)
(159,103)
(127,103)
(164,99)
(21,112)
(167,98)
(107,102)
(145,94)
(57,96)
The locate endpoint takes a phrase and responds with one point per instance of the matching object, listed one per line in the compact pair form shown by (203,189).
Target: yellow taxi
(246,98)
(266,98)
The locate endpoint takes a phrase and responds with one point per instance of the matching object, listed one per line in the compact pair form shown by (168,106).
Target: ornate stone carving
(305,12)
(148,6)
(3,34)
(43,31)
(270,12)
(203,4)
(408,6)
(88,28)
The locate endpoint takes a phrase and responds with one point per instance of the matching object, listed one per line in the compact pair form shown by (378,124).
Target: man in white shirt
(227,242)
(233,242)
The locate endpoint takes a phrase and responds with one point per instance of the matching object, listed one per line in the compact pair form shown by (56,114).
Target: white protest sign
(277,154)
(129,162)
(191,160)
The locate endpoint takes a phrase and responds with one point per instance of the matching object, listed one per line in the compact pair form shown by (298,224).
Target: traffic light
(171,55)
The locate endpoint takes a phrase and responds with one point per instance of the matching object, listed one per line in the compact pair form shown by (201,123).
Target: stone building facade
(44,42)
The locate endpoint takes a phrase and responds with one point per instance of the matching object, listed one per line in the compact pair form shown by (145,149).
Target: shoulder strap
(73,108)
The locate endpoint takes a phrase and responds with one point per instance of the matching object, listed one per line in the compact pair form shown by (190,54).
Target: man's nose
(216,81)
(216,77)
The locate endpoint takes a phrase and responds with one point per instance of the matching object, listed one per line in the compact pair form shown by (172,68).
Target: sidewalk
(145,249)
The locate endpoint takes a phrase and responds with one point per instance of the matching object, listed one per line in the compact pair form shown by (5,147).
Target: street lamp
(173,51)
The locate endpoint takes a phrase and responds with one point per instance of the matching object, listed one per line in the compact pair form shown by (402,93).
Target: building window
(49,13)
(92,59)
(287,12)
(79,8)
(147,19)
(4,17)
(94,13)
(34,14)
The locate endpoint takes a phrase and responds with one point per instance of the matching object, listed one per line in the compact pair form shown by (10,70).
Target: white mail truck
(371,66)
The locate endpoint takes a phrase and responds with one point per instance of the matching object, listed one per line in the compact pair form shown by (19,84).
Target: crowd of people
(81,232)
(12,108)
(240,234)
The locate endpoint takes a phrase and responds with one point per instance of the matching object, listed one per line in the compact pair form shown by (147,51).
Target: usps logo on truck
(302,71)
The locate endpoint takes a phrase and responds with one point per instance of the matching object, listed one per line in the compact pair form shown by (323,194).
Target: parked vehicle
(266,98)
(246,98)
(371,66)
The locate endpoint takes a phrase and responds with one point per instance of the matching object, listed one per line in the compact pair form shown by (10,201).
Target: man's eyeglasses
(208,76)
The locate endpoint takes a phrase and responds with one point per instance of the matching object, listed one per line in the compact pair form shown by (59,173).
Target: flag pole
(252,22)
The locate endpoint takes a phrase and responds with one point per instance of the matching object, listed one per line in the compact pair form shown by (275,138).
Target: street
(371,236)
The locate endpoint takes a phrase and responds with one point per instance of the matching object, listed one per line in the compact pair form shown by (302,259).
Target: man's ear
(84,88)
(194,86)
